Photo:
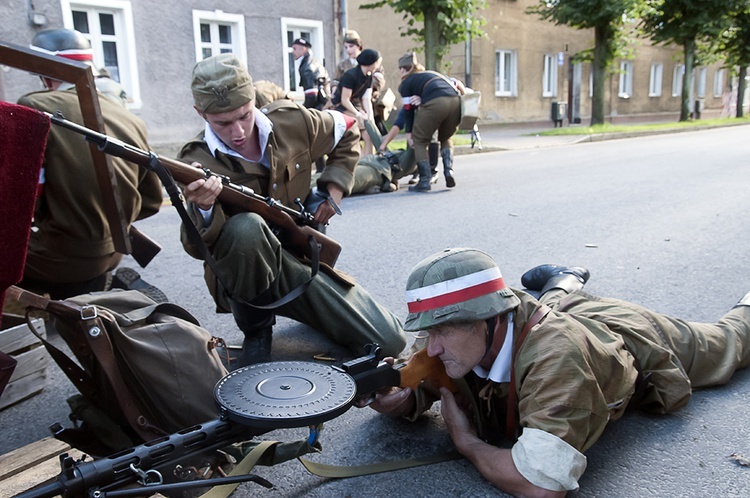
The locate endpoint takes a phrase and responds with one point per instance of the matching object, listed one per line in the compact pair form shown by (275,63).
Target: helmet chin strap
(491,323)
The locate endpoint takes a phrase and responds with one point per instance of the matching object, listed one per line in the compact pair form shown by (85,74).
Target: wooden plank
(23,388)
(19,337)
(43,472)
(23,458)
(30,362)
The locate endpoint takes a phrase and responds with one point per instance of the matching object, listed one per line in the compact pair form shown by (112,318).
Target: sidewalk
(520,136)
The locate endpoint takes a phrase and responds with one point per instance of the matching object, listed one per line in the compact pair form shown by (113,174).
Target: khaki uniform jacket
(69,214)
(299,137)
(575,372)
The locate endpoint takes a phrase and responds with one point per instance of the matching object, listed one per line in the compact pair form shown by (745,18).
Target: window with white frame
(701,90)
(506,78)
(677,74)
(655,79)
(217,32)
(549,76)
(108,25)
(625,89)
(291,29)
(719,82)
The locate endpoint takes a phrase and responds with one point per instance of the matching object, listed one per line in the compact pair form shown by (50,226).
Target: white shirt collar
(264,125)
(500,370)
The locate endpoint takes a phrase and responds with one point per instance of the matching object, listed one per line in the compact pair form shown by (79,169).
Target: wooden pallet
(30,374)
(34,464)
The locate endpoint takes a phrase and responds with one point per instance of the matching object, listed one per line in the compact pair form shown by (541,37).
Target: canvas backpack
(146,369)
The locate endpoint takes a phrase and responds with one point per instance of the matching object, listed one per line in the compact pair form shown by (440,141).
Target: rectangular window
(625,89)
(549,76)
(292,29)
(217,32)
(506,73)
(719,82)
(654,80)
(108,25)
(701,91)
(679,71)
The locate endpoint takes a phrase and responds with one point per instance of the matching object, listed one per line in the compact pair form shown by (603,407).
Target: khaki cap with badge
(221,84)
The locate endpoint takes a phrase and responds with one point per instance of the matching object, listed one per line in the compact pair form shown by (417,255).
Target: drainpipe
(467,55)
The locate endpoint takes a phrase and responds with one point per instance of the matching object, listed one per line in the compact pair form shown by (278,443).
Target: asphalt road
(660,221)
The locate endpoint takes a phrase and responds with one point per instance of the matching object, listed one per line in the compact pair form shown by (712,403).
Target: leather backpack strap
(95,332)
(511,419)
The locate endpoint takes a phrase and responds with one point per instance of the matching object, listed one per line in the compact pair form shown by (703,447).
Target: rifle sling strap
(195,237)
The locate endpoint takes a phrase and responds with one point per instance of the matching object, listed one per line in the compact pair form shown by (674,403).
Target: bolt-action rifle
(296,226)
(145,464)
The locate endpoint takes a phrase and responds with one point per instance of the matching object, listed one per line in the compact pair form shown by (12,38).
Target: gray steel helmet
(67,43)
(456,285)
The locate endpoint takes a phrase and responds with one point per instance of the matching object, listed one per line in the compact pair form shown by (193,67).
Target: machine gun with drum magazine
(252,400)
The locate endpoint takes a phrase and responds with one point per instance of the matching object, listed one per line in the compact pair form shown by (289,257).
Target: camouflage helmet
(456,285)
(67,43)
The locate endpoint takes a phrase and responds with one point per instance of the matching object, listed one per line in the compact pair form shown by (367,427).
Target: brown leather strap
(94,331)
(511,420)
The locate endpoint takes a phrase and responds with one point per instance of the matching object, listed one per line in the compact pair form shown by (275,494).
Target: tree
(607,18)
(734,44)
(687,23)
(443,23)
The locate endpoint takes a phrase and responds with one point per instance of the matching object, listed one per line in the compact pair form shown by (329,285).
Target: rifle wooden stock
(371,373)
(235,197)
(430,369)
(295,236)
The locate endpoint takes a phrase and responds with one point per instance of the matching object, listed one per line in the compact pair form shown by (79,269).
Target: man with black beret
(272,150)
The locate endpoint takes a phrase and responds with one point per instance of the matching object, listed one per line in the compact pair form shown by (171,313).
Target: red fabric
(23,137)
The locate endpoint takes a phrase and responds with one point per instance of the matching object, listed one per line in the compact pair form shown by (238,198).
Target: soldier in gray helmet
(549,373)
(71,250)
(71,44)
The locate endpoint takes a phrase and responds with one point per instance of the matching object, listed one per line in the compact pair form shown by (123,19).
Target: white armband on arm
(547,461)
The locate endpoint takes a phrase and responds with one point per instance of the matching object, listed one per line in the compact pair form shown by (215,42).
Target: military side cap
(221,84)
(368,56)
(408,60)
(456,285)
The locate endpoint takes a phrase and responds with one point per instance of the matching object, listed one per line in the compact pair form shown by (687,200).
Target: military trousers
(252,263)
(706,354)
(442,114)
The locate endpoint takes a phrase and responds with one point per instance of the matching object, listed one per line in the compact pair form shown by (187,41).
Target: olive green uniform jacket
(249,254)
(72,241)
(591,358)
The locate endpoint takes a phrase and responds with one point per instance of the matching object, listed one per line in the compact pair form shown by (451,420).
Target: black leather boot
(433,152)
(423,185)
(257,325)
(447,155)
(539,277)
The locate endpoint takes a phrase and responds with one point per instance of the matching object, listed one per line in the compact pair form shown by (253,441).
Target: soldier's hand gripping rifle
(296,226)
(252,401)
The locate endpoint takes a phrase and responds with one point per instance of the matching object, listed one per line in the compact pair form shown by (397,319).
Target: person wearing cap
(352,47)
(271,150)
(353,95)
(71,250)
(439,111)
(312,75)
(549,373)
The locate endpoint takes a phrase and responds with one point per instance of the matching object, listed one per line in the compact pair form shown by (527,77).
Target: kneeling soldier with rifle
(272,151)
